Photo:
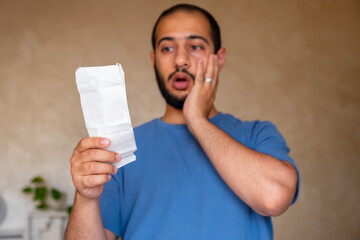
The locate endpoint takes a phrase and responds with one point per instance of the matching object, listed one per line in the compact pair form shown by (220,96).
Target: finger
(92,142)
(94,180)
(96,168)
(199,78)
(209,75)
(94,155)
(100,155)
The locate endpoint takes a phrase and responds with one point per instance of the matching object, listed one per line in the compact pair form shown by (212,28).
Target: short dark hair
(214,27)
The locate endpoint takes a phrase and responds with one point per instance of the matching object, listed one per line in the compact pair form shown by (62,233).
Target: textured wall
(295,63)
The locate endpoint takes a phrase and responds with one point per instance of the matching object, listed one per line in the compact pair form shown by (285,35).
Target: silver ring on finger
(208,80)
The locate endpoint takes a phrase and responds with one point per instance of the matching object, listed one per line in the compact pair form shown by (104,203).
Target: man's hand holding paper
(104,104)
(90,167)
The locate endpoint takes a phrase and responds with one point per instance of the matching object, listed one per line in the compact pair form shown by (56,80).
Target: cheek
(161,64)
(205,60)
(200,55)
(163,68)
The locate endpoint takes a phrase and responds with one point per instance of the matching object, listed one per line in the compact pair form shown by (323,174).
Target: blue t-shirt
(172,191)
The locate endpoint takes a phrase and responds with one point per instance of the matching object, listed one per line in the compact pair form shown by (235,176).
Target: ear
(152,57)
(221,53)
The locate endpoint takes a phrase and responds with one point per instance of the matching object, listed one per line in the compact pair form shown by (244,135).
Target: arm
(264,183)
(90,170)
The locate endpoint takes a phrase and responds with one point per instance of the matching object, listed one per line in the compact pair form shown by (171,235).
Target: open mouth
(181,81)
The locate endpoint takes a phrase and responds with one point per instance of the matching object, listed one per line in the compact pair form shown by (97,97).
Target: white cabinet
(45,225)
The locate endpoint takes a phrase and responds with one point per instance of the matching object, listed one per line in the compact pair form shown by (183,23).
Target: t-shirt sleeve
(267,139)
(110,206)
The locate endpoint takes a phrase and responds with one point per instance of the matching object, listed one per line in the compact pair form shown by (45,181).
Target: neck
(175,116)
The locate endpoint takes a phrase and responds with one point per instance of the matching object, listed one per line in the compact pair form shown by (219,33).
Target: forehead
(182,24)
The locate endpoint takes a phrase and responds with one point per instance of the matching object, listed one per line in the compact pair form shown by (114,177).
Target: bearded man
(199,173)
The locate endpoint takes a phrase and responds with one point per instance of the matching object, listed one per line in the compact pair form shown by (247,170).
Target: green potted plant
(41,192)
(50,217)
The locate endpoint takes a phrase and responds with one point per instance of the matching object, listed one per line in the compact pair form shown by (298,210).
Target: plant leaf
(69,209)
(40,193)
(37,179)
(42,206)
(27,190)
(55,194)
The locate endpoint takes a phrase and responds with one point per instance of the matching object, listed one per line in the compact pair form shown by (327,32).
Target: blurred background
(295,63)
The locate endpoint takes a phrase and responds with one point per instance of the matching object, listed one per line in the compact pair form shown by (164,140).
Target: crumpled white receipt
(105,109)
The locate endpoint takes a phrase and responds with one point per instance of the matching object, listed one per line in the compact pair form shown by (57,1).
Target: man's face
(181,39)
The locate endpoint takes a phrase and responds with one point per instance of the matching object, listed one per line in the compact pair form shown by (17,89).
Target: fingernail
(109,177)
(215,57)
(200,61)
(117,157)
(104,141)
(115,169)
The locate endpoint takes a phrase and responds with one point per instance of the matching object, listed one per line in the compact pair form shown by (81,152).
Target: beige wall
(295,63)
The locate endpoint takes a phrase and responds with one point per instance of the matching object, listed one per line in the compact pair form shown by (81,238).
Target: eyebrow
(187,38)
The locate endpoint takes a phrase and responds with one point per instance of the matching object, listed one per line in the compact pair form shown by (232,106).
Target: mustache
(192,76)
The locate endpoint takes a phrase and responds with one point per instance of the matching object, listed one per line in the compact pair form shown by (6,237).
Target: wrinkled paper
(105,109)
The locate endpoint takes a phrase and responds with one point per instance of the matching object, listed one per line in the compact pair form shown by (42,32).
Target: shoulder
(228,121)
(145,126)
(249,133)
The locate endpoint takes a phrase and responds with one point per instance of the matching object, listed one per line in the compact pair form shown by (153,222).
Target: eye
(196,47)
(167,49)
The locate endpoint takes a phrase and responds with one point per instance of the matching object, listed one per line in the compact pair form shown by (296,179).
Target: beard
(171,99)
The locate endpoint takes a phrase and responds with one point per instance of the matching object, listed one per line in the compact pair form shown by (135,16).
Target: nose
(182,58)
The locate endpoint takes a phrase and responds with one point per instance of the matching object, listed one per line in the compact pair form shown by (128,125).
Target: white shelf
(12,235)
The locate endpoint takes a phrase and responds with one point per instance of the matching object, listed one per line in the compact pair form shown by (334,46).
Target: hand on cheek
(201,98)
